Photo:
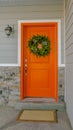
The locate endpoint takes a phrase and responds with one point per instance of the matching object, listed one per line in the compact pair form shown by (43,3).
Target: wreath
(39,45)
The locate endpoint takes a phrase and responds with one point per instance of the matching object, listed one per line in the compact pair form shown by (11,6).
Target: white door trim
(34,21)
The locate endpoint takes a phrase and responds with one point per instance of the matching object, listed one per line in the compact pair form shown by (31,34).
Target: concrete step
(37,103)
(40,106)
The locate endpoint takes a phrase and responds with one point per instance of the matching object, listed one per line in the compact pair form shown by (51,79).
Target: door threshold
(39,100)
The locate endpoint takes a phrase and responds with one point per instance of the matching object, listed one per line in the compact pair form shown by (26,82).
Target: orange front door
(39,75)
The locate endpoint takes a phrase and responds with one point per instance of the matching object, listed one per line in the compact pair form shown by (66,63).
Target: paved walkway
(8,121)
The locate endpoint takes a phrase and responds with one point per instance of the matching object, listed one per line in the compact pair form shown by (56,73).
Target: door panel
(40,78)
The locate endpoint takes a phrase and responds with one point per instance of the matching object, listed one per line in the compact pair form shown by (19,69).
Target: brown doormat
(38,115)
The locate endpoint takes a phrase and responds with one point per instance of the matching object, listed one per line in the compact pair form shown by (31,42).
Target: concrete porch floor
(8,121)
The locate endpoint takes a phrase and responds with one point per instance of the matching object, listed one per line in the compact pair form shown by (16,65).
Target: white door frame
(34,21)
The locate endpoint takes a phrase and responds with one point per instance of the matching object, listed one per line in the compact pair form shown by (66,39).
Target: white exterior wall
(49,9)
(69,57)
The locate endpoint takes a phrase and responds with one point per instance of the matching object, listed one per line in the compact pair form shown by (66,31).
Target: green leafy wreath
(39,45)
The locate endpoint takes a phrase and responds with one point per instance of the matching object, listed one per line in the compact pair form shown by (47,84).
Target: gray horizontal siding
(69,57)
(31,8)
(10,15)
(30,2)
(69,32)
(69,15)
(31,15)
